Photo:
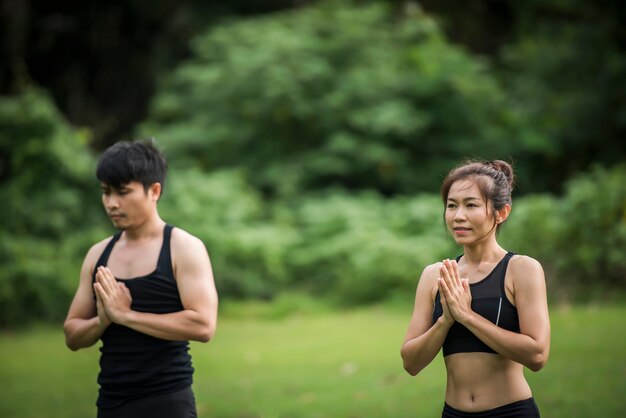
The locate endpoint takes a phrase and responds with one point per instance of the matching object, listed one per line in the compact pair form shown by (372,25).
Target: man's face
(130,205)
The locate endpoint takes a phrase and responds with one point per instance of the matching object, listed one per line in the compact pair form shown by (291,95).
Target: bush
(248,248)
(356,248)
(594,227)
(49,209)
(534,228)
(580,237)
(365,248)
(362,248)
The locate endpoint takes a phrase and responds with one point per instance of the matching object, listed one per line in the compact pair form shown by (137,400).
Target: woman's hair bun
(506,169)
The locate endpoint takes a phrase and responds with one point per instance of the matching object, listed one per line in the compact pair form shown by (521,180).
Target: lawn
(324,364)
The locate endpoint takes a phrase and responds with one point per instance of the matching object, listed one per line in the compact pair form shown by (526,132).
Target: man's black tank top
(489,301)
(132,364)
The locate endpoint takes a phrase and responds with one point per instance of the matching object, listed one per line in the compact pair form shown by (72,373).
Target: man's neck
(151,228)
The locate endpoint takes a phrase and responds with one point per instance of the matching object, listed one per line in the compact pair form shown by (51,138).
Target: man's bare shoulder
(183,240)
(189,254)
(181,236)
(93,254)
(98,248)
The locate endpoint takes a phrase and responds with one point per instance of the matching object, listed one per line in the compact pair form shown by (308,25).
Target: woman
(488,308)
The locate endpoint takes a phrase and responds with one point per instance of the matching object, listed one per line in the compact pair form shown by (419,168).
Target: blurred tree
(563,63)
(566,71)
(49,208)
(100,59)
(332,95)
(484,26)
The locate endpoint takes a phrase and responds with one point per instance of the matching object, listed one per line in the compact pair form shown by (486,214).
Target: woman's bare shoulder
(526,268)
(428,279)
(432,270)
(523,263)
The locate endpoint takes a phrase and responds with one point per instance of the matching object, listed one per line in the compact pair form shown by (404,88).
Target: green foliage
(355,248)
(40,154)
(297,138)
(594,232)
(248,249)
(565,71)
(45,220)
(364,248)
(331,95)
(534,228)
(579,238)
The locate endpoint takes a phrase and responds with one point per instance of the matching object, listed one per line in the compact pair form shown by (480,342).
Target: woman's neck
(483,252)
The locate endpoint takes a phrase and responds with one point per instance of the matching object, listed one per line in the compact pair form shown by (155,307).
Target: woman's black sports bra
(489,301)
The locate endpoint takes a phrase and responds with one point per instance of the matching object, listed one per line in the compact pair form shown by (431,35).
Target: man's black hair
(132,161)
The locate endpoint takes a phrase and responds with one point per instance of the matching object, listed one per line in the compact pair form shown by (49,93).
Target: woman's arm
(423,339)
(531,346)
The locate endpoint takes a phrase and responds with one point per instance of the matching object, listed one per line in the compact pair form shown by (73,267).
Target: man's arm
(86,319)
(194,277)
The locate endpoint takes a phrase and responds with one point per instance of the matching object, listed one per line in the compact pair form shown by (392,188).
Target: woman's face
(468,216)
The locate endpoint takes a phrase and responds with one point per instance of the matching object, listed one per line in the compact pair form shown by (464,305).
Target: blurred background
(307,141)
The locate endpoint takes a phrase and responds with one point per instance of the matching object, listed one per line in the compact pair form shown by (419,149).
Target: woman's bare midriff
(483,381)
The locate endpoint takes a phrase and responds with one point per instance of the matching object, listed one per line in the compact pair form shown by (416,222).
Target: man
(144,292)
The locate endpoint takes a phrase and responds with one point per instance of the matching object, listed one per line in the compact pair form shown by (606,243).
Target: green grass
(325,364)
